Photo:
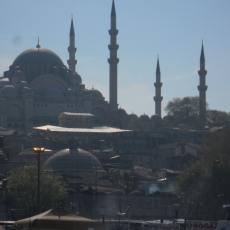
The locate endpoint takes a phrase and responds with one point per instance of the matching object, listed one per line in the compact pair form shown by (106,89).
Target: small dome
(73,160)
(135,193)
(19,74)
(3,157)
(4,81)
(95,93)
(27,90)
(122,112)
(133,115)
(156,117)
(117,193)
(53,91)
(144,117)
(9,89)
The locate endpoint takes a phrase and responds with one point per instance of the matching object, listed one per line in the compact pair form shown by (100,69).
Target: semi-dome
(73,160)
(38,56)
(52,91)
(9,89)
(144,117)
(121,112)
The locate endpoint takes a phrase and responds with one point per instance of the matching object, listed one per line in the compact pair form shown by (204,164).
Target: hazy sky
(172,29)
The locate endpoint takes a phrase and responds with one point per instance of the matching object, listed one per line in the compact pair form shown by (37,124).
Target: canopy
(58,218)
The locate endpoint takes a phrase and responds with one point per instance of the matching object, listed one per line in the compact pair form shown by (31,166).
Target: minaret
(202,87)
(72,49)
(158,98)
(113,61)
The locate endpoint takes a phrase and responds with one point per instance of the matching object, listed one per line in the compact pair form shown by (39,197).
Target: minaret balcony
(72,49)
(202,87)
(158,98)
(113,47)
(113,60)
(158,84)
(202,72)
(113,32)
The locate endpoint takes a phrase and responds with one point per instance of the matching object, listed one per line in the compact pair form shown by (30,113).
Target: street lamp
(190,175)
(38,151)
(123,214)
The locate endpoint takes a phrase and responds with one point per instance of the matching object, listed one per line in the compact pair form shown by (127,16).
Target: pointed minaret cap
(113,11)
(38,46)
(72,33)
(202,58)
(158,71)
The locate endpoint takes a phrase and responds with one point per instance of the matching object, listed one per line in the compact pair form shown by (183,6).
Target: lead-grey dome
(9,89)
(38,56)
(73,160)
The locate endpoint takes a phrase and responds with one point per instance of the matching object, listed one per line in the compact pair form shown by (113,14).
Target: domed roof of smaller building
(4,81)
(144,117)
(95,93)
(156,117)
(3,157)
(166,117)
(9,89)
(73,160)
(135,193)
(133,115)
(117,193)
(121,112)
(52,91)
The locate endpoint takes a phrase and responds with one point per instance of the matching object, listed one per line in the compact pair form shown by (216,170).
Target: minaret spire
(113,61)
(72,49)
(158,84)
(202,87)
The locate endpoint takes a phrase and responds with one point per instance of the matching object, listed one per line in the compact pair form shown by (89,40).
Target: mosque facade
(38,87)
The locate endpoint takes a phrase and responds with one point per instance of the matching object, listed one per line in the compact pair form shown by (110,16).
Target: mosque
(38,87)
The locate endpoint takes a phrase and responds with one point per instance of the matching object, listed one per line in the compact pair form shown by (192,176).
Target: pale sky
(172,29)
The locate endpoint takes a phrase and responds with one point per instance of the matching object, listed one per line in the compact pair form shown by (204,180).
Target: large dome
(73,160)
(38,56)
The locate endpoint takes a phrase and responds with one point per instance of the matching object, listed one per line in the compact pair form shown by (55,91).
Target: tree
(208,178)
(186,111)
(136,124)
(131,182)
(23,192)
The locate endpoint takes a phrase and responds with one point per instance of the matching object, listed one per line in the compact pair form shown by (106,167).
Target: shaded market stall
(58,218)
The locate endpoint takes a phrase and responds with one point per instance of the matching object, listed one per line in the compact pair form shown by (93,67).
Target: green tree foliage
(131,182)
(209,181)
(186,111)
(23,192)
(136,124)
(115,178)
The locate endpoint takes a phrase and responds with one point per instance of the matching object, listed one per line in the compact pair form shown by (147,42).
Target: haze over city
(171,29)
